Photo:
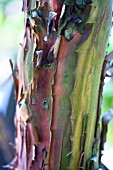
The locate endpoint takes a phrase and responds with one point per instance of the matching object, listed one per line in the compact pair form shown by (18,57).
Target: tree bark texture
(59,69)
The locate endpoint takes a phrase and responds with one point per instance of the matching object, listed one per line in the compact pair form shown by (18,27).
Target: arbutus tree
(61,70)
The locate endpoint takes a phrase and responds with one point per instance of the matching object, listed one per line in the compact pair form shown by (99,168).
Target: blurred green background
(107,102)
(11,34)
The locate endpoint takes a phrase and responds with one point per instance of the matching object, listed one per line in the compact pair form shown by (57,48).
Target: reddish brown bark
(47,63)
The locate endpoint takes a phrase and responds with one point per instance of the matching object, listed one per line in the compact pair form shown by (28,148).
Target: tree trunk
(58,99)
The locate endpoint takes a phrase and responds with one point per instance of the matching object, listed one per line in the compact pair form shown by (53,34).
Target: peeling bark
(60,63)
